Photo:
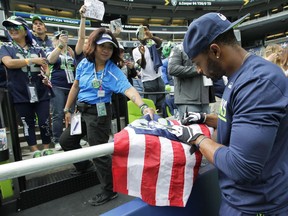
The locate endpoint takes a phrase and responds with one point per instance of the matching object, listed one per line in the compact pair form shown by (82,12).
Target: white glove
(193,118)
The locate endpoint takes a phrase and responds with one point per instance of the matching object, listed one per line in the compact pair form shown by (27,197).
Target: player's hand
(193,118)
(185,134)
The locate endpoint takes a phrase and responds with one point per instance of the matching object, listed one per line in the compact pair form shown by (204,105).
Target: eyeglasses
(15,27)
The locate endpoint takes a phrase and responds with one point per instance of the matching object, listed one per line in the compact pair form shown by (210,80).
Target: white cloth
(148,73)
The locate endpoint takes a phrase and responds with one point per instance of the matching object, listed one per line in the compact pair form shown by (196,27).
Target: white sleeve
(136,54)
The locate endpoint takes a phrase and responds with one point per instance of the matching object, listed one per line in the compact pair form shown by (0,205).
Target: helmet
(167,49)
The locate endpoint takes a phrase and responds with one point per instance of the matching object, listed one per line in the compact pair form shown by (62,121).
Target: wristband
(142,107)
(60,46)
(198,144)
(66,110)
(28,62)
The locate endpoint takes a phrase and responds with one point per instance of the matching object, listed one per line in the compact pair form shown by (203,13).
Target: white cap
(106,38)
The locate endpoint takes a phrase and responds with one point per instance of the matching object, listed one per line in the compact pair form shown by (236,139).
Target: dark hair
(91,46)
(227,38)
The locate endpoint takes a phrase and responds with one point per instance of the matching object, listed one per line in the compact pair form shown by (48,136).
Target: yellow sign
(167,2)
(246,2)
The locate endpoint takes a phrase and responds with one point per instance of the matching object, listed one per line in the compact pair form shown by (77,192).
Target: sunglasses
(15,27)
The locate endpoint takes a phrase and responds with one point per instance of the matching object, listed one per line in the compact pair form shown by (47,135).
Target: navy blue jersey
(45,44)
(18,79)
(79,58)
(253,122)
(60,69)
(3,80)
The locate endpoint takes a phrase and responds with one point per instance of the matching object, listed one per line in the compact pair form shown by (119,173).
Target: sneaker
(37,154)
(83,142)
(102,198)
(79,172)
(46,152)
(58,147)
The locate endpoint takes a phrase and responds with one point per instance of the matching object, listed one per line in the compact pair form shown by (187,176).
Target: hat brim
(9,22)
(104,40)
(57,35)
(37,18)
(236,23)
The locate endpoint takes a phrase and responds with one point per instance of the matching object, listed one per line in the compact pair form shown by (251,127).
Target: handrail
(33,165)
(153,93)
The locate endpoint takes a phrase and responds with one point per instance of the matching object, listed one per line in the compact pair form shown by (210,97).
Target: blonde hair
(271,49)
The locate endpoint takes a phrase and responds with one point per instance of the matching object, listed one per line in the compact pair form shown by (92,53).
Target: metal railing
(30,166)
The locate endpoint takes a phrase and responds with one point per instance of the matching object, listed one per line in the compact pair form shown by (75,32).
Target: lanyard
(26,54)
(101,77)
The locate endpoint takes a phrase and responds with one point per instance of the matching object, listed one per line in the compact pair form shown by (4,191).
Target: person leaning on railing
(97,77)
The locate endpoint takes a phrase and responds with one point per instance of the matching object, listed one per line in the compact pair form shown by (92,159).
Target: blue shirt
(18,78)
(253,125)
(167,78)
(113,80)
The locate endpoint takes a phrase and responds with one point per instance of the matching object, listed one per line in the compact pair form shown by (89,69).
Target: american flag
(156,169)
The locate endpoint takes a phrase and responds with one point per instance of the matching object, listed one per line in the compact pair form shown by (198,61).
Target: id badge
(96,83)
(101,93)
(75,128)
(33,97)
(101,109)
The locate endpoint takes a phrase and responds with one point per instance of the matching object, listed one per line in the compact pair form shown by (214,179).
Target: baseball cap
(14,20)
(204,30)
(121,46)
(37,18)
(106,38)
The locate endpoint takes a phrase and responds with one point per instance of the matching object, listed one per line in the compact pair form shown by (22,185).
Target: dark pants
(156,86)
(57,103)
(97,130)
(28,112)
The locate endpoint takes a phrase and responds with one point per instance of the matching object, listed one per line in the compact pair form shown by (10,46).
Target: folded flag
(149,163)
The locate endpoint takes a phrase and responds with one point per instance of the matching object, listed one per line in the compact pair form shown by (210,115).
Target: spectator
(190,93)
(27,69)
(62,76)
(284,61)
(137,83)
(251,149)
(97,77)
(273,53)
(167,78)
(126,64)
(3,77)
(168,106)
(147,56)
(40,36)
